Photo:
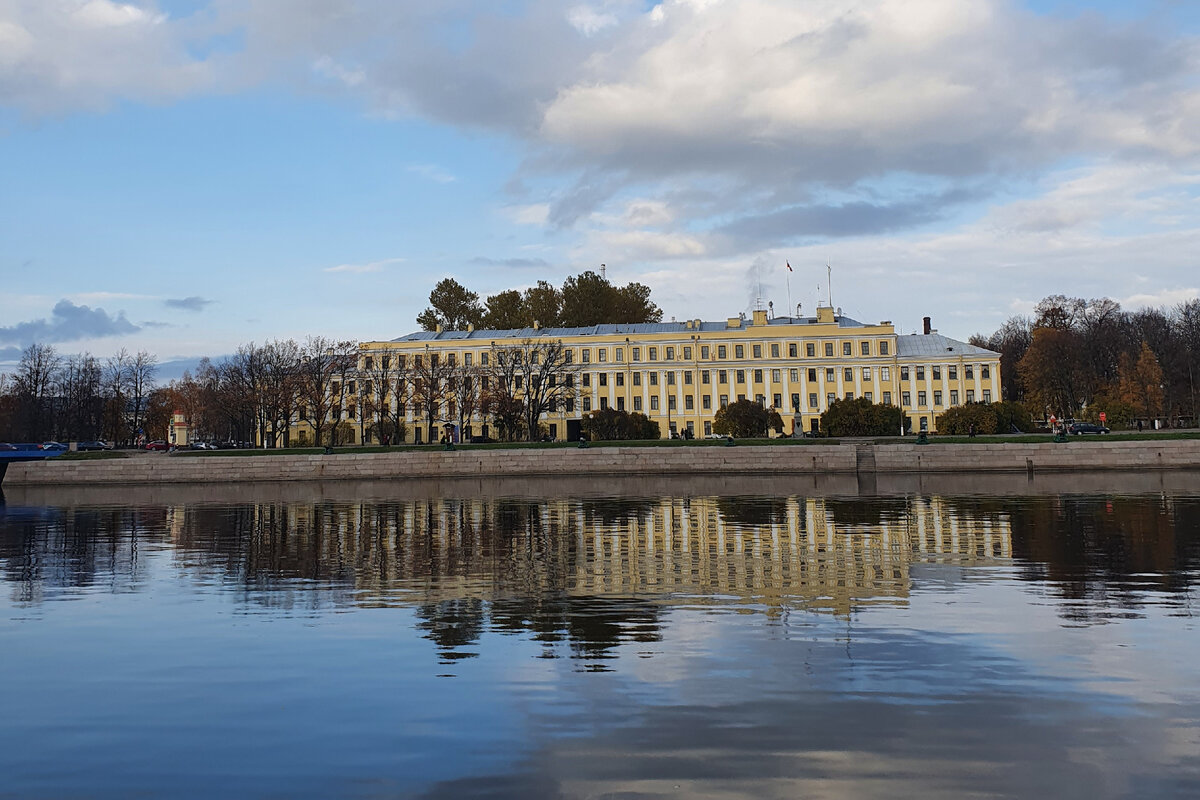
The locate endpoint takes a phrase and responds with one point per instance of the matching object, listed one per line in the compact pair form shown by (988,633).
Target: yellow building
(680,373)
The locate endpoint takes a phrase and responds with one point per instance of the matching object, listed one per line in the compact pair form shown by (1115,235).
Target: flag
(789,266)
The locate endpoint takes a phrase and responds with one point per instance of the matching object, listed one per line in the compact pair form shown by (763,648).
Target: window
(636,354)
(847,348)
(602,354)
(794,375)
(829,374)
(812,400)
(829,348)
(654,354)
(570,404)
(689,402)
(637,379)
(922,398)
(952,373)
(587,379)
(810,349)
(705,376)
(812,375)
(760,399)
(758,351)
(887,398)
(920,373)
(866,373)
(370,363)
(670,379)
(654,403)
(970,395)
(585,355)
(829,398)
(777,401)
(776,375)
(620,378)
(758,376)
(722,351)
(953,397)
(587,403)
(849,395)
(706,402)
(937,373)
(792,351)
(904,373)
(303,413)
(724,400)
(970,372)
(883,348)
(687,378)
(985,372)
(906,398)
(620,404)
(603,403)
(653,378)
(620,354)
(637,404)
(604,379)
(987,395)
(866,348)
(739,351)
(937,398)
(775,350)
(722,376)
(741,376)
(795,401)
(351,387)
(349,412)
(704,351)
(670,354)
(848,375)
(687,354)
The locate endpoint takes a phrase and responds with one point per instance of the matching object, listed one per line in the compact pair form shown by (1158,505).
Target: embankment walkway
(845,458)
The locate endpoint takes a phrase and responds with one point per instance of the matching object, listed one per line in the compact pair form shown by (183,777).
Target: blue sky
(186,176)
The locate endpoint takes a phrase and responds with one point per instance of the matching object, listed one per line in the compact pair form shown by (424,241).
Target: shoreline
(847,458)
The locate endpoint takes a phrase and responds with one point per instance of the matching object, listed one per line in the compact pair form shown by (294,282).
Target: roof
(933,344)
(610,329)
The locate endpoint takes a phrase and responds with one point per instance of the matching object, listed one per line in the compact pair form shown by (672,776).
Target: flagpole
(829,282)
(789,288)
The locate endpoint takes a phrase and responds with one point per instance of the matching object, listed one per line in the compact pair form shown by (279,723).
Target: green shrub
(861,417)
(610,424)
(957,421)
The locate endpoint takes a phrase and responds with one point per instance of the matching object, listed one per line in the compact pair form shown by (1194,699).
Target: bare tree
(540,374)
(384,391)
(280,367)
(142,369)
(34,383)
(464,394)
(324,367)
(430,384)
(116,380)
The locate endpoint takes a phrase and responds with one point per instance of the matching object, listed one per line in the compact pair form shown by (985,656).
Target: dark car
(482,440)
(7,447)
(1080,428)
(53,446)
(157,444)
(84,447)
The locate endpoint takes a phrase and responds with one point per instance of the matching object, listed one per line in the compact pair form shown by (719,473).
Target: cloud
(68,322)
(1165,298)
(372,266)
(589,21)
(517,263)
(193,303)
(431,172)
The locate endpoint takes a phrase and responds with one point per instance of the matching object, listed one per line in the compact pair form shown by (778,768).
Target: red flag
(789,266)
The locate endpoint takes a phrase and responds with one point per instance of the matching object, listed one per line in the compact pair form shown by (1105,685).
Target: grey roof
(608,329)
(933,344)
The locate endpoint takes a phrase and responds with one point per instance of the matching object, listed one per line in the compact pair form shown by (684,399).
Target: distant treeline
(1082,357)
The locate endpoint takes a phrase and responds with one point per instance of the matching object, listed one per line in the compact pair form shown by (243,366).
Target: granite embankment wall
(846,458)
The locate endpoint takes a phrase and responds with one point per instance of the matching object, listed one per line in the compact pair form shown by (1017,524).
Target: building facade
(680,373)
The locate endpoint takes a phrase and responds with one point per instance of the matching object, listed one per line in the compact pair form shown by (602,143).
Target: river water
(766,639)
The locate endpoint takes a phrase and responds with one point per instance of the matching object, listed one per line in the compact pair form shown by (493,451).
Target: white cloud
(431,172)
(589,21)
(532,214)
(371,266)
(1165,298)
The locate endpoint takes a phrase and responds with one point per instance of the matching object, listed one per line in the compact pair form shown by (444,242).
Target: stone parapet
(847,458)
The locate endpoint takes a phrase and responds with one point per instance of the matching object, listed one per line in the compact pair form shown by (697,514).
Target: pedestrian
(971,430)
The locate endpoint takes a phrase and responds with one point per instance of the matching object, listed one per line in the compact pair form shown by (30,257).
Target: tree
(506,311)
(1011,415)
(33,385)
(430,384)
(1141,382)
(589,299)
(384,393)
(610,424)
(1052,372)
(324,367)
(861,417)
(141,371)
(543,304)
(464,394)
(116,377)
(961,420)
(1011,341)
(452,306)
(539,375)
(279,389)
(744,419)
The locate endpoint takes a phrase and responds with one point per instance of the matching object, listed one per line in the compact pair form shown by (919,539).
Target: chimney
(928,329)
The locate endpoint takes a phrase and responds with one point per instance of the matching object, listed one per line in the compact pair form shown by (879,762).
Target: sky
(184,176)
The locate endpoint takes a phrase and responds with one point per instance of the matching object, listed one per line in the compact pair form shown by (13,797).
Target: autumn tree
(538,375)
(452,306)
(744,419)
(1052,372)
(1141,380)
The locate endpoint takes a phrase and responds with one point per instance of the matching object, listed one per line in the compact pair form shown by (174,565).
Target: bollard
(729,441)
(923,438)
(583,443)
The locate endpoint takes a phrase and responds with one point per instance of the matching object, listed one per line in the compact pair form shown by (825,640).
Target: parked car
(53,446)
(7,447)
(482,440)
(157,444)
(1080,428)
(84,447)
